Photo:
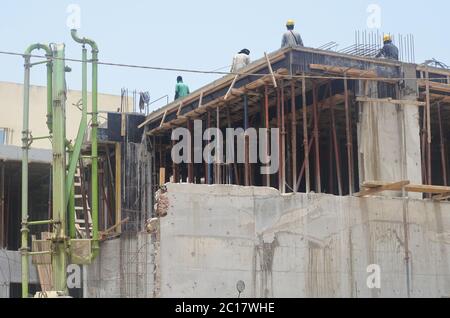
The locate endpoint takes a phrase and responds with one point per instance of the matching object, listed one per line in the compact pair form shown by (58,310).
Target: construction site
(361,185)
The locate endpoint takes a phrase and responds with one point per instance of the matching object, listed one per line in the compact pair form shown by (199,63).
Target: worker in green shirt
(181,89)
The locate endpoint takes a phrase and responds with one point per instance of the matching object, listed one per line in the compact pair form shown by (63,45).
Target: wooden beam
(349,72)
(162,176)
(395,186)
(271,70)
(163,119)
(445,88)
(417,188)
(213,87)
(178,112)
(104,234)
(390,101)
(231,87)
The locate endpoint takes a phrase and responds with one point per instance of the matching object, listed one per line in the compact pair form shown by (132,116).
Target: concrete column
(389,137)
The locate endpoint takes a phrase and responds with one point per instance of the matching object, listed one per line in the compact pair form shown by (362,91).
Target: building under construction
(362,181)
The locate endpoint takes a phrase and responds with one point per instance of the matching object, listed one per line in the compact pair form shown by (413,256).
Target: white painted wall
(11,104)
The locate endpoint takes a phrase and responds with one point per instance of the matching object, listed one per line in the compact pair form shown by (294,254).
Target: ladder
(83,217)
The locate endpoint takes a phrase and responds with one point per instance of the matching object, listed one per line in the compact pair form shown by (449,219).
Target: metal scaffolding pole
(349,138)
(316,140)
(294,136)
(305,136)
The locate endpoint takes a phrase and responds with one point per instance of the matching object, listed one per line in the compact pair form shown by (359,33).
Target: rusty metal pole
(336,147)
(348,135)
(316,140)
(208,164)
(441,133)
(294,137)
(247,160)
(267,125)
(191,151)
(423,141)
(219,150)
(428,116)
(279,137)
(305,135)
(330,166)
(283,142)
(174,167)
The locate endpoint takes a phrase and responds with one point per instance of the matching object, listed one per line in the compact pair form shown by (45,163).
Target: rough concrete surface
(300,245)
(286,246)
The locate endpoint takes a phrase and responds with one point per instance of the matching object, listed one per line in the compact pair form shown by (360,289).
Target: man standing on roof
(291,38)
(389,50)
(240,60)
(181,89)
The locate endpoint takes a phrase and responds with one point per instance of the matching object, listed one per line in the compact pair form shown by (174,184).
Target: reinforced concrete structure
(362,187)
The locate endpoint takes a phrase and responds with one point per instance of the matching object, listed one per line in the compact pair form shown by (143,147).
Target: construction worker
(181,89)
(389,50)
(240,60)
(291,38)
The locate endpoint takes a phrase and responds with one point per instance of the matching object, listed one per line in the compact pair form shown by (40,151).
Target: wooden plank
(215,86)
(271,70)
(417,188)
(427,189)
(390,101)
(164,118)
(433,70)
(112,230)
(178,112)
(231,87)
(350,72)
(162,176)
(123,125)
(395,186)
(445,88)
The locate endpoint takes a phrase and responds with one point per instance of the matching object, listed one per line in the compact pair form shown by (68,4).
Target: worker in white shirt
(240,60)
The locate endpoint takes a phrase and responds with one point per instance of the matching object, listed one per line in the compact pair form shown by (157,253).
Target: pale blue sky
(202,34)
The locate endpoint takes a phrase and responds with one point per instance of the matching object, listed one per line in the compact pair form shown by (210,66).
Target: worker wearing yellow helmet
(389,50)
(291,38)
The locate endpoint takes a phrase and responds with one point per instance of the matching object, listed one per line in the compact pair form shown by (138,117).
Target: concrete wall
(11,104)
(11,272)
(389,136)
(124,269)
(300,245)
(284,246)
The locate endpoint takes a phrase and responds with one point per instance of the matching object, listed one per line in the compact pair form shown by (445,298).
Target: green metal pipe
(71,196)
(40,253)
(25,145)
(59,260)
(94,137)
(35,223)
(48,53)
(24,230)
(94,141)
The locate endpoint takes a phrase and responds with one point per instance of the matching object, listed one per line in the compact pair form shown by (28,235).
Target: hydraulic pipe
(71,196)
(25,145)
(94,135)
(60,244)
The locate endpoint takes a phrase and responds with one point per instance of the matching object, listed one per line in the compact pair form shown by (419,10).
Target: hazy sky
(201,34)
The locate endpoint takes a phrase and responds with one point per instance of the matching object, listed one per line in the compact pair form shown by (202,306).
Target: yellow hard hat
(387,37)
(290,23)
